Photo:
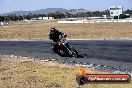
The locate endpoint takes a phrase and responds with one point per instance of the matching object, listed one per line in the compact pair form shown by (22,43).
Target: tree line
(58,15)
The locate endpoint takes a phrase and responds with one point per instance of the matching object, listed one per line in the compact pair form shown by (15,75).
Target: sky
(31,5)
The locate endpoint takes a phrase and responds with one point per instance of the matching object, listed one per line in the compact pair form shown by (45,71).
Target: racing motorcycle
(63,48)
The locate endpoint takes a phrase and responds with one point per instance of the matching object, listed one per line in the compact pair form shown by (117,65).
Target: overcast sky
(92,5)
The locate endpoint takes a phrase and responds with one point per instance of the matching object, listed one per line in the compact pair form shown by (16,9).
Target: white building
(105,16)
(116,10)
(1,23)
(51,18)
(46,18)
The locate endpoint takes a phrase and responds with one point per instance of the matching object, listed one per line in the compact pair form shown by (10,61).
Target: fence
(98,21)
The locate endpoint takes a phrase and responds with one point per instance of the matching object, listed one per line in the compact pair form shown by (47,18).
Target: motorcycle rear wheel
(74,52)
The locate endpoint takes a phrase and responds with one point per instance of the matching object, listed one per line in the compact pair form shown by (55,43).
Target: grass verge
(18,73)
(40,29)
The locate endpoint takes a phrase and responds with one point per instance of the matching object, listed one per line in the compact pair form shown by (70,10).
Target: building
(1,23)
(46,18)
(115,11)
(105,16)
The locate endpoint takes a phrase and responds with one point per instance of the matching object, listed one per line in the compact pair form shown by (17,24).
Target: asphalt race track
(112,53)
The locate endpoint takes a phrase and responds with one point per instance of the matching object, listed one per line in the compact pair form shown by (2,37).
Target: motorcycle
(63,48)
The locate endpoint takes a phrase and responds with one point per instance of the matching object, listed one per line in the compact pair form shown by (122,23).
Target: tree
(20,18)
(51,15)
(41,15)
(2,18)
(28,17)
(88,14)
(107,12)
(128,12)
(115,17)
(81,14)
(14,17)
(11,17)
(123,16)
(68,15)
(57,15)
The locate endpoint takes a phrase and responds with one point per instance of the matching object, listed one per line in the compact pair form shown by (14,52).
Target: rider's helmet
(53,30)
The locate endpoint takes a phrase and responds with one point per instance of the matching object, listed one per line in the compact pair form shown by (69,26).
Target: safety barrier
(98,21)
(78,21)
(114,20)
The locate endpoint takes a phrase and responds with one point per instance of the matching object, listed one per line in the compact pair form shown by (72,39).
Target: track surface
(117,54)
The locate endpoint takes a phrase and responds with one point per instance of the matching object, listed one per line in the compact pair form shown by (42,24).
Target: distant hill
(74,11)
(42,11)
(46,11)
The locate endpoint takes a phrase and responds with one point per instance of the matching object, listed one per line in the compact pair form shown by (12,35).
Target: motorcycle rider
(60,45)
(56,36)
